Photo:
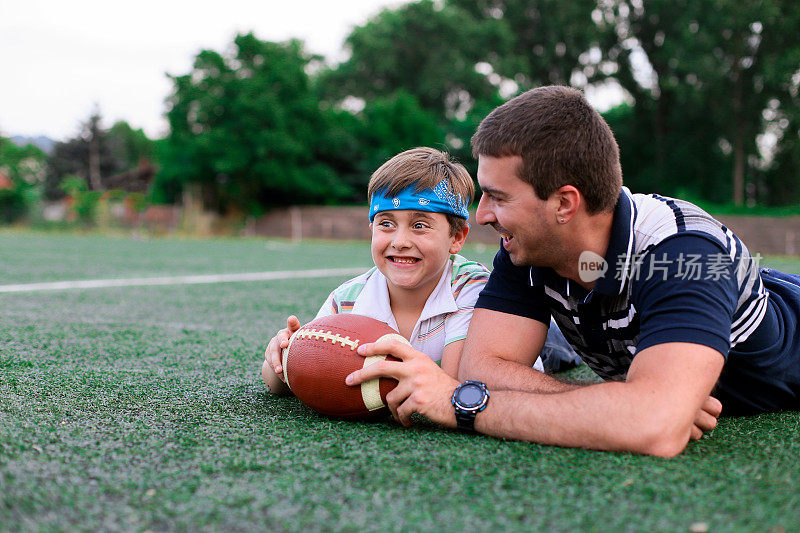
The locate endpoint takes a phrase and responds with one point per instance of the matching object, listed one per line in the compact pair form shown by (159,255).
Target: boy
(419,285)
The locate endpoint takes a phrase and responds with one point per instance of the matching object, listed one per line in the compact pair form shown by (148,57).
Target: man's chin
(516,260)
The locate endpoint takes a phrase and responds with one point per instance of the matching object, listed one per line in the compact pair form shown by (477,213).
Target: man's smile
(504,233)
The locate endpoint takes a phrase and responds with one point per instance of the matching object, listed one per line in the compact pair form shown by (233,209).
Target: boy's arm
(451,358)
(500,350)
(272,367)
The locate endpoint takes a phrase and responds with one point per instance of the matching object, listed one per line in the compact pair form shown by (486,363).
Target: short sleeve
(509,291)
(330,307)
(685,290)
(456,324)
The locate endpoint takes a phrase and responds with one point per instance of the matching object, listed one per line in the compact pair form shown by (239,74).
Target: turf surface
(142,408)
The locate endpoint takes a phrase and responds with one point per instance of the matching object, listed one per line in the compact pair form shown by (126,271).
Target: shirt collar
(373,301)
(618,256)
(441,300)
(620,246)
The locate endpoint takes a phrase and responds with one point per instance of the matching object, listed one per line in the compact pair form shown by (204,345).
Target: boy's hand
(422,387)
(274,352)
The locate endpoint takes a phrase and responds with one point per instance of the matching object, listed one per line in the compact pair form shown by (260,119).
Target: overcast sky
(58,58)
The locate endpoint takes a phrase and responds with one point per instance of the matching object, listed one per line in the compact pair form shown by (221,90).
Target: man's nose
(483,215)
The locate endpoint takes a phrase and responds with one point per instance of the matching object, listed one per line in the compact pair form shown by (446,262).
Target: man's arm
(653,412)
(500,350)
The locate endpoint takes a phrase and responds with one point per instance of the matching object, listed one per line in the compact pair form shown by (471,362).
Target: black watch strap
(466,419)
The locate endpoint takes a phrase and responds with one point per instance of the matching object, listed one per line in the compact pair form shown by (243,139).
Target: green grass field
(142,409)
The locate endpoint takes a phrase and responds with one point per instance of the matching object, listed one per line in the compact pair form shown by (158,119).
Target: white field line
(183,280)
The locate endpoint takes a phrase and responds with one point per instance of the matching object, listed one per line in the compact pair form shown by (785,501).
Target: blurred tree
(426,50)
(702,75)
(423,48)
(541,42)
(130,146)
(22,163)
(458,56)
(86,155)
(22,170)
(549,41)
(248,129)
(98,155)
(392,124)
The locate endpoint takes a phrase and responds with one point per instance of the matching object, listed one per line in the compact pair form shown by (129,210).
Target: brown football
(322,353)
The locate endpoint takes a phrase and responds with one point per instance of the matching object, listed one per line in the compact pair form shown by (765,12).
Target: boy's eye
(419,225)
(385,224)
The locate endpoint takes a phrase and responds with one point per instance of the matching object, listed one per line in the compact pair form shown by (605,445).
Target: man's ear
(568,200)
(458,239)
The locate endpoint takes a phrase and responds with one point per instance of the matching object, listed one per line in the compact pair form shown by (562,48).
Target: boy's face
(411,248)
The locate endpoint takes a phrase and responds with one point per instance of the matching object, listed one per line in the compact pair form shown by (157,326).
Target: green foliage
(703,81)
(423,49)
(130,146)
(13,206)
(24,166)
(721,73)
(105,158)
(249,130)
(547,41)
(394,123)
(82,202)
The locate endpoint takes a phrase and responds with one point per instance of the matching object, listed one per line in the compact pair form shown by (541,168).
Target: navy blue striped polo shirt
(674,274)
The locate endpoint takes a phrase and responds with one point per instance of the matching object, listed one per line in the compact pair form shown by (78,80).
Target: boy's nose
(483,214)
(400,239)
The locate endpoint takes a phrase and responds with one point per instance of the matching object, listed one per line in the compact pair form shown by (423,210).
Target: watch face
(470,395)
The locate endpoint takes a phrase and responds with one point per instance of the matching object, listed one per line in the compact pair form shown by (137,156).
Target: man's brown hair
(424,168)
(561,139)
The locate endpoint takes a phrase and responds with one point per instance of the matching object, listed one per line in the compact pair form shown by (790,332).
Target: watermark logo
(591,266)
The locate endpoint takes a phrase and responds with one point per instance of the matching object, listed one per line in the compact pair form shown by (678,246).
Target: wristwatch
(469,399)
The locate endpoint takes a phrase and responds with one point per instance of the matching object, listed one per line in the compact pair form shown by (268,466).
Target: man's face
(511,207)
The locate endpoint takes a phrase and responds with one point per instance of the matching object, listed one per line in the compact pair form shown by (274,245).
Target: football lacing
(328,336)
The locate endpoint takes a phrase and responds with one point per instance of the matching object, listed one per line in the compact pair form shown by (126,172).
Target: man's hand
(706,418)
(422,387)
(274,352)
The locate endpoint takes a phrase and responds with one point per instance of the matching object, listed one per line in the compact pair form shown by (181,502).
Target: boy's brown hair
(561,139)
(424,168)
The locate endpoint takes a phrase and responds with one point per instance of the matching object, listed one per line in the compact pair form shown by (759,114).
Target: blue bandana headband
(436,200)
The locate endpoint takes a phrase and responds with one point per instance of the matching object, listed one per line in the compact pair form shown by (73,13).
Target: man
(657,297)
